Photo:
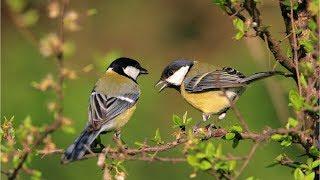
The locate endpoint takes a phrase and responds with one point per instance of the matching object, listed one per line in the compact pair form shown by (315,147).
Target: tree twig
(58,119)
(249,157)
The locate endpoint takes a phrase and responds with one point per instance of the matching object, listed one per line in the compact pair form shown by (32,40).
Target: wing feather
(219,79)
(103,108)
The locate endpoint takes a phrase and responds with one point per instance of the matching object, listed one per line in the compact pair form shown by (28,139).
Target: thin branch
(262,32)
(58,120)
(295,47)
(249,157)
(133,153)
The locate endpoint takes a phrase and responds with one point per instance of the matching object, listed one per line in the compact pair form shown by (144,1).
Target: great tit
(111,104)
(206,88)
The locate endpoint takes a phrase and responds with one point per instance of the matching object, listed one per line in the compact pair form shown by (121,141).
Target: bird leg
(119,141)
(196,126)
(96,142)
(205,117)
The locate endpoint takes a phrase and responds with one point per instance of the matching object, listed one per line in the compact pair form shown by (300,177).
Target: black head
(127,67)
(174,74)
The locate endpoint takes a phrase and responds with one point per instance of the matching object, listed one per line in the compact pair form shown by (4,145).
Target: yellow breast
(210,102)
(123,118)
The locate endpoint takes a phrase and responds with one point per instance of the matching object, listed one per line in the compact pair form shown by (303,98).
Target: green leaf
(303,81)
(314,7)
(230,136)
(36,175)
(139,144)
(177,121)
(298,174)
(287,141)
(296,101)
(201,155)
(250,178)
(306,68)
(210,149)
(310,176)
(312,25)
(291,123)
(218,153)
(287,3)
(277,137)
(280,157)
(205,165)
(314,151)
(239,24)
(236,128)
(232,165)
(315,164)
(306,44)
(157,137)
(239,35)
(192,160)
(219,2)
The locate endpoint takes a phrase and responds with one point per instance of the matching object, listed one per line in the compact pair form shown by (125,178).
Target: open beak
(143,71)
(162,84)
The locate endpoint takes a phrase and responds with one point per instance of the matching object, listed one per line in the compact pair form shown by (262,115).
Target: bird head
(127,67)
(174,74)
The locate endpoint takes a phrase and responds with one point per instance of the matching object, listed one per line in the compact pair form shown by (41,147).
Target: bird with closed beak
(111,104)
(207,88)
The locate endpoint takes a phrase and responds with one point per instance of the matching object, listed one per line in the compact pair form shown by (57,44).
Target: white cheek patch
(131,72)
(178,76)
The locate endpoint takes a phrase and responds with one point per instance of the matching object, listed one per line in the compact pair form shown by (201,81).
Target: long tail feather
(262,75)
(80,146)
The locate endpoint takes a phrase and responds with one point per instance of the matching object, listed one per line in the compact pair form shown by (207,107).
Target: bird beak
(143,71)
(163,84)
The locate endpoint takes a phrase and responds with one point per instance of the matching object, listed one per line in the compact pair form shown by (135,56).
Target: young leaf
(177,121)
(157,137)
(236,128)
(315,164)
(229,136)
(314,151)
(218,153)
(310,176)
(205,165)
(296,101)
(291,123)
(277,137)
(298,174)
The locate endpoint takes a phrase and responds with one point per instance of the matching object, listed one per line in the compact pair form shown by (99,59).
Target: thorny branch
(59,93)
(261,31)
(133,153)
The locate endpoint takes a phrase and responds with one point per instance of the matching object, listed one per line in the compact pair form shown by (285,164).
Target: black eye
(170,72)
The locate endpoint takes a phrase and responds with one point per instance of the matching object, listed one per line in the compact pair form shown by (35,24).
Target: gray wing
(219,79)
(103,108)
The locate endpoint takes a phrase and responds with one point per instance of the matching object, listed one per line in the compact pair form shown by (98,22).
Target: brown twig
(262,32)
(295,47)
(58,119)
(249,157)
(133,153)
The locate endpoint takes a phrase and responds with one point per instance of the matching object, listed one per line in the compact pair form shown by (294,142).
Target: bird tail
(80,146)
(262,75)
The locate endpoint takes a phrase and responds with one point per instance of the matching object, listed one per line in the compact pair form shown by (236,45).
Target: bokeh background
(154,32)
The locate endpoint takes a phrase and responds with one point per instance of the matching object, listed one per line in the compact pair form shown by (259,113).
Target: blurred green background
(154,32)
